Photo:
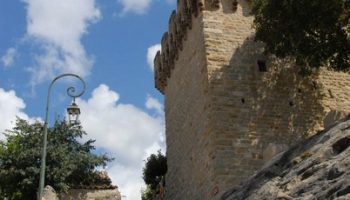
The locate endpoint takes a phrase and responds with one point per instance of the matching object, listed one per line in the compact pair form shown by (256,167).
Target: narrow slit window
(262,66)
(234,5)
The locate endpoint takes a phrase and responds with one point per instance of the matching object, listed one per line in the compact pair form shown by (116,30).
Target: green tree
(153,173)
(70,163)
(314,32)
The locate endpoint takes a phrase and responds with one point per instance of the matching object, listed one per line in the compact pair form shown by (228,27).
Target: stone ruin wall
(224,117)
(91,194)
(94,193)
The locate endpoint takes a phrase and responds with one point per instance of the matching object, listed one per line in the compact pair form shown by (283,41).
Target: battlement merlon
(180,22)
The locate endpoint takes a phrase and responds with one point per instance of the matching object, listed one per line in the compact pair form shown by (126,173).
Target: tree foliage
(69,163)
(153,173)
(314,32)
(148,194)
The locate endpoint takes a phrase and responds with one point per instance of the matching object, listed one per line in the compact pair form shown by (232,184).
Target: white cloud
(151,53)
(8,58)
(57,26)
(152,103)
(135,6)
(10,107)
(126,132)
(138,6)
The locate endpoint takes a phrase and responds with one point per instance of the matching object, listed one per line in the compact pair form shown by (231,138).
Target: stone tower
(229,108)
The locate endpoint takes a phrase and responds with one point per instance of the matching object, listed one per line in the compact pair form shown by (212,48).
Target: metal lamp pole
(71,92)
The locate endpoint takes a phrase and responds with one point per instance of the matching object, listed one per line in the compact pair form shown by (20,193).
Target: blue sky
(111,44)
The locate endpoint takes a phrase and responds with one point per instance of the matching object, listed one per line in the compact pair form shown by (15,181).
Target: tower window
(262,66)
(234,5)
(291,104)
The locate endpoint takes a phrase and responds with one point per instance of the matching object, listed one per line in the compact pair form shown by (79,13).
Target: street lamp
(73,114)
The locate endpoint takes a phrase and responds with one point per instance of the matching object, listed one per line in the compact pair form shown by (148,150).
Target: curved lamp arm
(70,92)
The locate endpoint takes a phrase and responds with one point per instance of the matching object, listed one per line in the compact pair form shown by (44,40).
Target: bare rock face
(333,116)
(49,193)
(318,168)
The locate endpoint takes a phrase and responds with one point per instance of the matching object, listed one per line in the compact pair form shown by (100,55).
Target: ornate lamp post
(73,112)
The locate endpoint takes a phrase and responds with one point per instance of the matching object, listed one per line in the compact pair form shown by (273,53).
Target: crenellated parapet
(172,41)
(180,22)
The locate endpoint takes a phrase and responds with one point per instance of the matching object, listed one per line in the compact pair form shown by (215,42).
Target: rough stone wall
(335,90)
(186,119)
(229,53)
(316,168)
(224,117)
(90,194)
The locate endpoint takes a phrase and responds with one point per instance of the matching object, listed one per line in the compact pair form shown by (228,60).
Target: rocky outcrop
(318,168)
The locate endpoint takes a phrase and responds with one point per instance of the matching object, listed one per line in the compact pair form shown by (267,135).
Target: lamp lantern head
(73,113)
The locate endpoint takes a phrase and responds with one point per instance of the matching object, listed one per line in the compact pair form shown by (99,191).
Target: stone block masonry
(110,193)
(229,108)
(91,194)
